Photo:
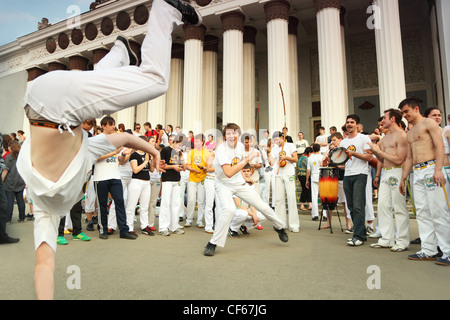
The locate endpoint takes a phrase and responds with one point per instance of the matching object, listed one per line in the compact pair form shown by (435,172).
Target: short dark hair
(230,126)
(337,135)
(107,120)
(277,134)
(396,114)
(308,150)
(354,117)
(316,147)
(412,102)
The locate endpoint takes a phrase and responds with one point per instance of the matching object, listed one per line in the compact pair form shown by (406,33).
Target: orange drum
(328,187)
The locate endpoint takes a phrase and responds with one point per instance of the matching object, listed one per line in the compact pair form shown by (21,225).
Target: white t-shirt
(107,169)
(301,146)
(314,164)
(125,169)
(289,168)
(357,144)
(322,139)
(227,155)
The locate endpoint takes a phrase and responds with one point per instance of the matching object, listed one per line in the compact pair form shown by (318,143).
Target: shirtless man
(425,157)
(391,153)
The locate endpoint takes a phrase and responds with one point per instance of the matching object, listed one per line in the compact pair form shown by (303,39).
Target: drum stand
(326,206)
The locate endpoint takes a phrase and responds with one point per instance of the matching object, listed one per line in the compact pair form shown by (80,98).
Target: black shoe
(129,235)
(282,234)
(189,14)
(103,235)
(9,240)
(315,218)
(244,230)
(90,226)
(416,241)
(210,249)
(131,54)
(233,234)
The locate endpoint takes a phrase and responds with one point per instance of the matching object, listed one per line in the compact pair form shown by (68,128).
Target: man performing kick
(391,153)
(426,157)
(55,164)
(229,161)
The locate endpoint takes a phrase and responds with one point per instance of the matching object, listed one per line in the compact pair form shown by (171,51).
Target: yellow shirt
(197,158)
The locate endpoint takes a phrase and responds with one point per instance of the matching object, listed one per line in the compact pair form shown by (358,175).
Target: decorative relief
(194,32)
(123,20)
(315,73)
(233,20)
(91,31)
(323,4)
(413,57)
(77,36)
(107,26)
(141,14)
(50,45)
(363,55)
(63,40)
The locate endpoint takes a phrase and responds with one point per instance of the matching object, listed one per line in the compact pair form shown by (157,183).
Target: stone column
(388,38)
(293,122)
(277,16)
(174,111)
(249,93)
(233,76)
(193,78)
(332,89)
(210,53)
(78,63)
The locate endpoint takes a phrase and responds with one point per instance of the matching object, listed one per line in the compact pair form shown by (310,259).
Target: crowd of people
(125,182)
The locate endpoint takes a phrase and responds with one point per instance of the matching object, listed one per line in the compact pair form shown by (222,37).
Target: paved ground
(312,265)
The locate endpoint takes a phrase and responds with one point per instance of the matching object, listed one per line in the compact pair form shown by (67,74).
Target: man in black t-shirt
(170,187)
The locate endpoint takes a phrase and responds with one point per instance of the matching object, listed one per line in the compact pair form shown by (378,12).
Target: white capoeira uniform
(69,98)
(390,199)
(242,217)
(433,216)
(227,187)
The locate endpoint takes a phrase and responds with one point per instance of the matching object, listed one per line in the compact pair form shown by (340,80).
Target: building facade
(263,64)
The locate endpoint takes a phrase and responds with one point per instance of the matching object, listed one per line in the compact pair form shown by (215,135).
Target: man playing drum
(391,153)
(426,157)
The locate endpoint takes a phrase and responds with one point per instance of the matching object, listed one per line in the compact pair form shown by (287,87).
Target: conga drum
(328,187)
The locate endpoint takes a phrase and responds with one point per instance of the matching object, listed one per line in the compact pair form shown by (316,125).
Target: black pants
(306,193)
(75,216)
(3,212)
(114,187)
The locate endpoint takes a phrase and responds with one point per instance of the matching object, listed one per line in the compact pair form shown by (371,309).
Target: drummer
(329,161)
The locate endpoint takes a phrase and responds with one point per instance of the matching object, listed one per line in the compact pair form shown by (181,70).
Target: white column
(156,111)
(193,79)
(332,88)
(209,115)
(388,38)
(293,122)
(233,76)
(174,105)
(277,15)
(249,94)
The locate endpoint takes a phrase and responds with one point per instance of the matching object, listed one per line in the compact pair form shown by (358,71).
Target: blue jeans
(10,195)
(355,194)
(114,187)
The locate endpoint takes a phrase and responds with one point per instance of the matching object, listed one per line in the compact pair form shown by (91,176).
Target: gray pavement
(312,265)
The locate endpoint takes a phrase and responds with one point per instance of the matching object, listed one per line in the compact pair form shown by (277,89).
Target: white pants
(268,188)
(210,198)
(370,213)
(196,193)
(91,197)
(242,217)
(70,98)
(170,206)
(390,199)
(285,186)
(433,216)
(138,190)
(248,194)
(314,185)
(155,187)
(183,184)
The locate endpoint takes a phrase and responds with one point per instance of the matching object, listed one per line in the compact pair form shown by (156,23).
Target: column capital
(250,34)
(99,54)
(323,4)
(277,9)
(35,72)
(53,66)
(233,20)
(78,63)
(194,32)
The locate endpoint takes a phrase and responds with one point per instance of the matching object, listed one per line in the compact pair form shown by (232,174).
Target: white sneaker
(164,233)
(178,231)
(355,242)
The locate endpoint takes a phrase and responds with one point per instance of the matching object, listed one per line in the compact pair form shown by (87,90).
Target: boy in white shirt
(313,172)
(285,180)
(229,161)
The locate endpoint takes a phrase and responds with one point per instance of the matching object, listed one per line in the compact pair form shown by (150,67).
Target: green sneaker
(61,240)
(81,236)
